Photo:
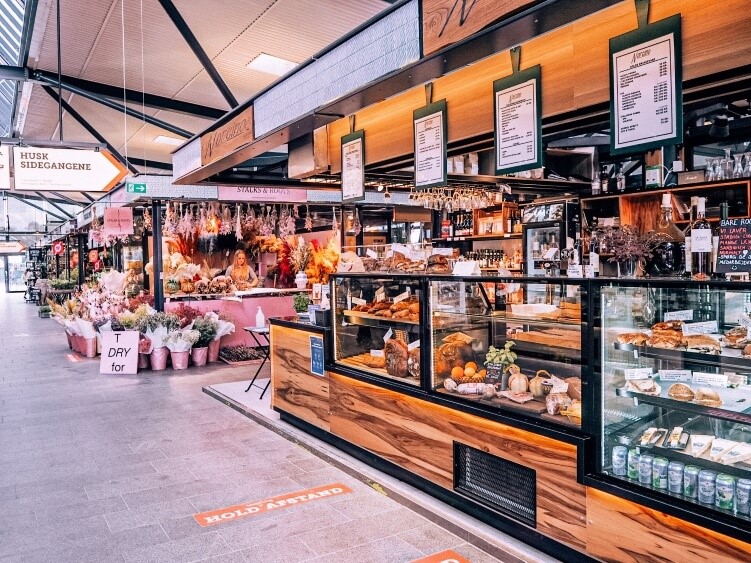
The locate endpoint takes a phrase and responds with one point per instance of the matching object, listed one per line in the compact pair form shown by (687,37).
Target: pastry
(574,388)
(708,397)
(703,344)
(746,353)
(554,402)
(736,337)
(414,308)
(403,314)
(670,342)
(635,338)
(396,358)
(374,361)
(401,306)
(646,386)
(681,392)
(379,307)
(413,363)
(384,313)
(668,325)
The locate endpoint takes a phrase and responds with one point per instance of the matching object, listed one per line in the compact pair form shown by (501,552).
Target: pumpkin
(536,383)
(517,382)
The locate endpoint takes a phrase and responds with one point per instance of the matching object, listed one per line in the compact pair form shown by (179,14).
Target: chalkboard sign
(316,356)
(734,252)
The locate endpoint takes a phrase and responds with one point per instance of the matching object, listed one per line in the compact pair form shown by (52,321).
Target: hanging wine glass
(738,168)
(747,167)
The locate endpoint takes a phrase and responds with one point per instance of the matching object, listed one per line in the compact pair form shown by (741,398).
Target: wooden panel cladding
(574,60)
(228,138)
(624,532)
(295,389)
(447,21)
(418,436)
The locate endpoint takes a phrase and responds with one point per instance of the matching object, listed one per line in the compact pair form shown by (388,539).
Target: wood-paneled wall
(295,389)
(419,436)
(574,60)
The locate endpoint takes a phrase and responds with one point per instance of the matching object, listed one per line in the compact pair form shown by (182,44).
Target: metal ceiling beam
(86,125)
(53,204)
(116,106)
(151,163)
(198,51)
(27,202)
(87,196)
(9,72)
(149,100)
(67,199)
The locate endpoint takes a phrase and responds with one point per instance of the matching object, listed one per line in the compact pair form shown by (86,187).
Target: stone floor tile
(172,492)
(237,494)
(431,539)
(52,513)
(386,550)
(150,514)
(193,548)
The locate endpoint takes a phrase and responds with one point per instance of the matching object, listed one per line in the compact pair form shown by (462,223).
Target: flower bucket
(89,347)
(77,343)
(158,358)
(69,337)
(179,360)
(143,361)
(199,356)
(213,351)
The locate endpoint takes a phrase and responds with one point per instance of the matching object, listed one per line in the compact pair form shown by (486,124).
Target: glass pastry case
(676,392)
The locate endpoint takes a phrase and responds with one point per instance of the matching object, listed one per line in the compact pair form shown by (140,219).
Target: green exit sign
(136,188)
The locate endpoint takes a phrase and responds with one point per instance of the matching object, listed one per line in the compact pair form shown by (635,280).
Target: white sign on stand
(119,353)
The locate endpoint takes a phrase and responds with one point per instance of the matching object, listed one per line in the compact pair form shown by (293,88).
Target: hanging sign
(4,167)
(12,247)
(61,170)
(518,119)
(261,194)
(431,142)
(228,138)
(58,248)
(734,251)
(119,352)
(118,221)
(646,94)
(353,167)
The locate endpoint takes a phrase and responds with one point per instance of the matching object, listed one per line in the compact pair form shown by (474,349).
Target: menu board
(518,123)
(645,87)
(353,167)
(430,138)
(734,251)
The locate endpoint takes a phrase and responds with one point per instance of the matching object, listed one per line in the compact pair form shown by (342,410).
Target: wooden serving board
(563,339)
(368,316)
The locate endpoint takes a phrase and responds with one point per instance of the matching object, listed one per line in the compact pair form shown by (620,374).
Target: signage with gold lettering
(229,137)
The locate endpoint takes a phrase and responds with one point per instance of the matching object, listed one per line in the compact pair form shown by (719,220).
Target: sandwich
(646,386)
(707,397)
(736,337)
(664,340)
(635,338)
(681,392)
(702,344)
(700,443)
(739,452)
(746,353)
(720,447)
(668,325)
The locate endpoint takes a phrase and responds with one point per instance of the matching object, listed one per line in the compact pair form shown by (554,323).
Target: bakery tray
(730,357)
(366,319)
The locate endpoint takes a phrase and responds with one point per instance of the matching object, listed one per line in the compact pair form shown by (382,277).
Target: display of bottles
(620,180)
(604,179)
(463,225)
(577,250)
(701,244)
(724,208)
(594,249)
(694,203)
(669,256)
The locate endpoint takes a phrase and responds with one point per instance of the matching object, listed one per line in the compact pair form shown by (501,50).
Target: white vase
(301,280)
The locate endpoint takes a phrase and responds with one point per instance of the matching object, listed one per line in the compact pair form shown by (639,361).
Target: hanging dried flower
(308,219)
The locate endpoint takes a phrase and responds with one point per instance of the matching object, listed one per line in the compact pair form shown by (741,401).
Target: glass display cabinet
(676,393)
(376,326)
(510,345)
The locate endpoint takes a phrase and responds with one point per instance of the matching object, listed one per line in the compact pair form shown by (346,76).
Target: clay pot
(199,356)
(179,359)
(69,337)
(143,361)
(158,358)
(89,347)
(76,343)
(213,351)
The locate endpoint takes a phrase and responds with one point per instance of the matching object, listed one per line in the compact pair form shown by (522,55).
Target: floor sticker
(72,358)
(447,556)
(244,510)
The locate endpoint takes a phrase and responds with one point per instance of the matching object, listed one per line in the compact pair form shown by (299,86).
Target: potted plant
(179,342)
(497,360)
(171,284)
(45,311)
(206,329)
(629,249)
(300,303)
(156,326)
(187,274)
(224,326)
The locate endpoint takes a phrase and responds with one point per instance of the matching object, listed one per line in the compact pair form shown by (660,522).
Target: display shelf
(380,372)
(511,318)
(499,236)
(366,319)
(730,357)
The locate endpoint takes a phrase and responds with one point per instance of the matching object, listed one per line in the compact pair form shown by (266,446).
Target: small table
(255,332)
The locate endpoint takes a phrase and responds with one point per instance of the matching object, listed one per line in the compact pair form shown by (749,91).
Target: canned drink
(660,473)
(724,492)
(620,453)
(675,477)
(742,493)
(706,486)
(633,463)
(645,469)
(691,481)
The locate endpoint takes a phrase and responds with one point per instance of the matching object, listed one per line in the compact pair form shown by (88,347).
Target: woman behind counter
(241,272)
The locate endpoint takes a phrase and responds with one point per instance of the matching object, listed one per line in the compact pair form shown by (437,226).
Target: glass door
(3,275)
(14,268)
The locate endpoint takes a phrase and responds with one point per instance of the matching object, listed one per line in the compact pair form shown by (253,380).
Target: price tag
(638,373)
(706,327)
(412,345)
(687,315)
(674,374)
(589,271)
(744,320)
(575,271)
(551,254)
(371,253)
(380,295)
(388,335)
(358,301)
(466,268)
(719,380)
(377,353)
(401,297)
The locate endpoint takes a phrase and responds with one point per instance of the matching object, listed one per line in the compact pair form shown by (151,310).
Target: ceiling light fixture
(165,140)
(271,64)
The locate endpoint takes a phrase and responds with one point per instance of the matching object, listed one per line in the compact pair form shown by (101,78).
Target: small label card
(674,374)
(575,271)
(679,315)
(466,268)
(589,271)
(358,301)
(380,295)
(638,373)
(412,345)
(377,353)
(371,253)
(401,297)
(388,335)
(744,320)
(706,327)
(719,380)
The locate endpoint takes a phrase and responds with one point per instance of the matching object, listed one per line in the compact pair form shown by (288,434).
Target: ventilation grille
(504,486)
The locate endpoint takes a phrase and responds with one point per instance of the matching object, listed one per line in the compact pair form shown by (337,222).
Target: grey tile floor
(112,468)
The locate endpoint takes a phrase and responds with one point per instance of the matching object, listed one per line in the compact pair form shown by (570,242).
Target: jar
(171,286)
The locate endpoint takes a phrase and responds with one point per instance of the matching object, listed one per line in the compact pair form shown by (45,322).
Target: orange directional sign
(12,247)
(43,169)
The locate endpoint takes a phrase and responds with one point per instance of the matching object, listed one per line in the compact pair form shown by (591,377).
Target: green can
(633,464)
(691,481)
(660,473)
(724,492)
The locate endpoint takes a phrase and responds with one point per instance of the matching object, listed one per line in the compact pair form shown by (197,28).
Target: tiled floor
(113,468)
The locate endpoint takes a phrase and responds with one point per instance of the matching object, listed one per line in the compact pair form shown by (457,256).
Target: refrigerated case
(548,229)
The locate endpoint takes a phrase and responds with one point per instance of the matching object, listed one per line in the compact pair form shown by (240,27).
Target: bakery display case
(676,393)
(510,345)
(376,325)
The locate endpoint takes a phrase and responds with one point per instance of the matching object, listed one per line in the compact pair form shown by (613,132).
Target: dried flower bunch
(625,243)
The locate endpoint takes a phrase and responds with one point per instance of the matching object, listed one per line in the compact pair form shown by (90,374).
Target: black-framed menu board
(430,126)
(734,251)
(353,167)
(646,94)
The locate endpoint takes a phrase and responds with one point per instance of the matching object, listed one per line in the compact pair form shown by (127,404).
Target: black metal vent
(504,486)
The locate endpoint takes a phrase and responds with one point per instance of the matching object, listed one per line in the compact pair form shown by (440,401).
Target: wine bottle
(687,233)
(701,245)
(604,179)
(724,207)
(669,255)
(594,249)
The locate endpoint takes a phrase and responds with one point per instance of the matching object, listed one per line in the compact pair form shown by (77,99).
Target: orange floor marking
(231,513)
(447,556)
(72,358)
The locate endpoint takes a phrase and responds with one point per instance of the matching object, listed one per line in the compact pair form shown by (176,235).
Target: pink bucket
(159,358)
(199,356)
(89,347)
(143,361)
(179,360)
(213,351)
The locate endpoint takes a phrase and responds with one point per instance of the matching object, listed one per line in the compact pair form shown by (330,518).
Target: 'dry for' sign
(119,352)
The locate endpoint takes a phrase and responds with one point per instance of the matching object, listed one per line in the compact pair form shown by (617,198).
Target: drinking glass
(738,168)
(747,167)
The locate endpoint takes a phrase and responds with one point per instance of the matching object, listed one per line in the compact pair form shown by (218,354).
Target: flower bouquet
(628,248)
(179,342)
(223,328)
(206,328)
(156,327)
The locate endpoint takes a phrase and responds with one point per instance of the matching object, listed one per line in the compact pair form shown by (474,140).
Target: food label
(701,240)
(706,327)
(401,297)
(744,320)
(358,301)
(638,373)
(377,353)
(575,271)
(412,345)
(466,268)
(679,315)
(380,295)
(719,380)
(674,374)
(388,335)
(371,253)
